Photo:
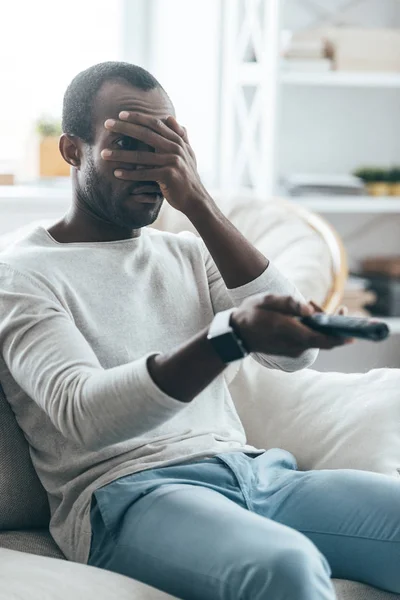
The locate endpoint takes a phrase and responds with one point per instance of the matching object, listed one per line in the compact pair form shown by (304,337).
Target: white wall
(336,130)
(183,53)
(42,47)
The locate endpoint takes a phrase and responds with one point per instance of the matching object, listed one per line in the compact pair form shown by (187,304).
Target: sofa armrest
(33,541)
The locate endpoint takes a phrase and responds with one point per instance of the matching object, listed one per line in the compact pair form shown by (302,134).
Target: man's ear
(70,148)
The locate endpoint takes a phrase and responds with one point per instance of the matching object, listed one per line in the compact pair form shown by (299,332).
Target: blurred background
(295,99)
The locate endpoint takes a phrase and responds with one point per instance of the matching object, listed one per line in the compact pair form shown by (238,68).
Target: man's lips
(146,189)
(150,194)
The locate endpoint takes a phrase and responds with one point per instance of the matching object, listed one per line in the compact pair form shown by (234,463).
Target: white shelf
(350,204)
(340,79)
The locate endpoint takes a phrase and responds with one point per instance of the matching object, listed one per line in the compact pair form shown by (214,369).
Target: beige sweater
(78,322)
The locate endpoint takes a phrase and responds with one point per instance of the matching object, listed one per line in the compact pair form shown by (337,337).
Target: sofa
(307,413)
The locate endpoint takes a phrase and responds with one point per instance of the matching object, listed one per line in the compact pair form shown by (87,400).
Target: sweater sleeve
(53,363)
(271,281)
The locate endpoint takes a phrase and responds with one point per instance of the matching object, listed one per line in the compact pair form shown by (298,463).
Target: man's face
(108,197)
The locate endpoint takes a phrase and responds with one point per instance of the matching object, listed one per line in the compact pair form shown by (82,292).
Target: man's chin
(141,215)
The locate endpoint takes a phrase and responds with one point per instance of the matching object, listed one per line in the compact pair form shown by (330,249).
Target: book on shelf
(295,46)
(356,49)
(302,184)
(364,49)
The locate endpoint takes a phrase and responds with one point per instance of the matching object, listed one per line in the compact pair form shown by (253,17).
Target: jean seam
(246,497)
(93,549)
(106,522)
(360,537)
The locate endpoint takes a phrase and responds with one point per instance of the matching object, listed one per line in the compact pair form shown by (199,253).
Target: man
(114,339)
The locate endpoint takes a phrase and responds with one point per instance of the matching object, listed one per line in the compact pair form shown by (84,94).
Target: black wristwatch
(224,339)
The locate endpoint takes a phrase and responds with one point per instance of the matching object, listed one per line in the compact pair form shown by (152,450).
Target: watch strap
(224,339)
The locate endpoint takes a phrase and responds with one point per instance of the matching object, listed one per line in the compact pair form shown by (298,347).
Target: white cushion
(326,420)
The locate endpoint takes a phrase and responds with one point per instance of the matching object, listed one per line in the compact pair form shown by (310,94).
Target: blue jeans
(249,527)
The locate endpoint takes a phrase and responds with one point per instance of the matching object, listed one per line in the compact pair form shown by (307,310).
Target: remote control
(367,329)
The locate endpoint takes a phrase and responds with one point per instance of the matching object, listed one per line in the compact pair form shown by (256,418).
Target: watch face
(226,343)
(228,347)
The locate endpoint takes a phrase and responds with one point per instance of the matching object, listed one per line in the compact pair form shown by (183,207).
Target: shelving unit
(248,94)
(284,122)
(351,119)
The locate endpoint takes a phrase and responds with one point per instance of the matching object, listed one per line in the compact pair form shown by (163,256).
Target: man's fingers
(185,135)
(341,310)
(160,126)
(327,342)
(155,139)
(316,307)
(302,335)
(174,125)
(179,129)
(285,305)
(136,157)
(141,174)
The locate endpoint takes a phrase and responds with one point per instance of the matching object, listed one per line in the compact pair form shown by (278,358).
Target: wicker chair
(305,247)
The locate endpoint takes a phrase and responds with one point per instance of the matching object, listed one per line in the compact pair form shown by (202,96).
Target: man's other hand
(268,324)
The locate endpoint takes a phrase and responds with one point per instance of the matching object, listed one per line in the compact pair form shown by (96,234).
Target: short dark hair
(77,117)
